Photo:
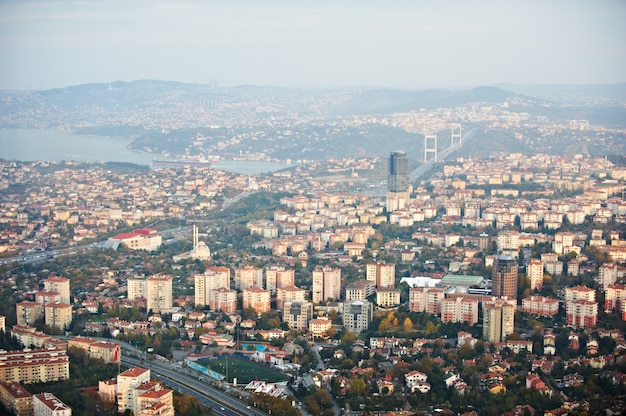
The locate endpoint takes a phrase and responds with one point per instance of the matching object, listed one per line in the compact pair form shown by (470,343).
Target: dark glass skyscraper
(398,173)
(504,277)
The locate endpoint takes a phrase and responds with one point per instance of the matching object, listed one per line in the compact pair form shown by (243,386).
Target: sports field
(244,370)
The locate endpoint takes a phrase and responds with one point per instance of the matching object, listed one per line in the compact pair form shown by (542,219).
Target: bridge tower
(455,134)
(430,148)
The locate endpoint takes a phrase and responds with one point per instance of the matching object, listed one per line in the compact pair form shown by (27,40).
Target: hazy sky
(406,44)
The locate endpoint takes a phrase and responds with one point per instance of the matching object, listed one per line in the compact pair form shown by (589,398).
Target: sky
(320,44)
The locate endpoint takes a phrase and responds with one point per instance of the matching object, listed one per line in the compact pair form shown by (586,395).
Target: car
(222,408)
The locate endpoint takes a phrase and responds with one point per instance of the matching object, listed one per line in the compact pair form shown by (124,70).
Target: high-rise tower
(398,173)
(504,277)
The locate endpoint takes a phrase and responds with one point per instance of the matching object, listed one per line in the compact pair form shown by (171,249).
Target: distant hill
(392,101)
(176,119)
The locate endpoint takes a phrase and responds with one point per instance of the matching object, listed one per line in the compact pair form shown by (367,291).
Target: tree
(357,386)
(407,325)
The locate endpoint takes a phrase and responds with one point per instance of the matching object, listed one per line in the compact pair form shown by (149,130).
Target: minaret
(195,239)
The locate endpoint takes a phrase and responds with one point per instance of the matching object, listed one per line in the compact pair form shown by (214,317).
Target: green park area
(244,370)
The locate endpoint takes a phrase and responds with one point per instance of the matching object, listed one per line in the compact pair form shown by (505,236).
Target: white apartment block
(326,284)
(248,277)
(534,272)
(47,404)
(382,274)
(387,297)
(276,277)
(459,310)
(498,319)
(205,283)
(426,299)
(159,293)
(289,294)
(127,381)
(60,285)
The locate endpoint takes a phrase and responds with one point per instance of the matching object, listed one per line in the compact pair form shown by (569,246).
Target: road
(219,402)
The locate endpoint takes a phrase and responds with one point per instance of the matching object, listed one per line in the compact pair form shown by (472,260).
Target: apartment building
(277,277)
(498,318)
(540,306)
(47,404)
(357,315)
(289,294)
(326,284)
(296,314)
(58,284)
(257,299)
(223,299)
(359,290)
(426,299)
(382,274)
(16,399)
(127,381)
(159,293)
(58,315)
(248,277)
(205,283)
(34,366)
(459,309)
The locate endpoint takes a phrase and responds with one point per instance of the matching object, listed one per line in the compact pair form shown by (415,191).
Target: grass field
(245,371)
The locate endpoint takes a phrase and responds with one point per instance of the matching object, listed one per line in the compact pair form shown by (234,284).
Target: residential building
(504,277)
(159,293)
(534,273)
(498,318)
(289,294)
(257,299)
(459,309)
(58,284)
(106,351)
(205,283)
(319,327)
(47,404)
(326,284)
(426,299)
(127,381)
(615,298)
(136,287)
(58,315)
(34,366)
(581,313)
(359,290)
(357,315)
(607,275)
(277,277)
(382,274)
(248,277)
(580,292)
(28,313)
(387,297)
(296,314)
(540,306)
(223,299)
(16,399)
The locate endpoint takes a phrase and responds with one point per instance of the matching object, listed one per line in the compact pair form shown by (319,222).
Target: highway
(219,402)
